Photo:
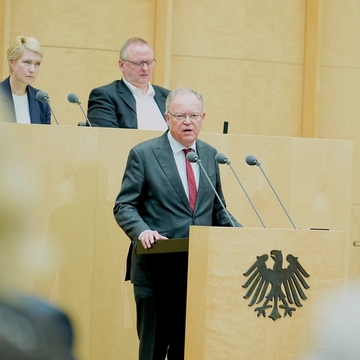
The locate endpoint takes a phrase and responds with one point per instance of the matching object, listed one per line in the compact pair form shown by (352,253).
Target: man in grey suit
(153,204)
(131,102)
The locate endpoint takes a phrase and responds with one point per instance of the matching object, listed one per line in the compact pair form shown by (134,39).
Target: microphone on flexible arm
(193,158)
(252,160)
(73,98)
(44,97)
(222,159)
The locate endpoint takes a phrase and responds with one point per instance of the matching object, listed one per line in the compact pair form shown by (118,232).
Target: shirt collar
(176,147)
(137,92)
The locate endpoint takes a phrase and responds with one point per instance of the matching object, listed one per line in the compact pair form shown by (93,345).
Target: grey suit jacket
(39,111)
(152,197)
(114,105)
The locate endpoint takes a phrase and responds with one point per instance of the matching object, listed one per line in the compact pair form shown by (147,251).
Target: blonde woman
(18,101)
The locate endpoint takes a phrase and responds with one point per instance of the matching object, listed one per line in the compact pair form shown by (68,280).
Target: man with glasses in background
(131,102)
(161,195)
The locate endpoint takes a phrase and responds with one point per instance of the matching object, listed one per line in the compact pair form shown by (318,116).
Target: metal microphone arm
(253,206)
(75,100)
(192,157)
(44,97)
(251,160)
(53,114)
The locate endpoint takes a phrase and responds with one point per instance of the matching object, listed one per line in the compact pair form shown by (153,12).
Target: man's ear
(121,65)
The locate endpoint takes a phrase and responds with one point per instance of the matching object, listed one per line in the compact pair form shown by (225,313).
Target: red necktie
(191,181)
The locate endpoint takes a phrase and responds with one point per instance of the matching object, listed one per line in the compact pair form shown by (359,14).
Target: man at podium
(162,194)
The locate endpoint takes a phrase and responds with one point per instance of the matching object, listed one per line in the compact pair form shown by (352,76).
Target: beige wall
(339,99)
(283,68)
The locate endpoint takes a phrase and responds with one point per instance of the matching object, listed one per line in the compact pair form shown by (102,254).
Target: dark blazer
(39,111)
(152,197)
(33,329)
(114,105)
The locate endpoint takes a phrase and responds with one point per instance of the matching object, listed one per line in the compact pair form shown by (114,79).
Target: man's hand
(148,237)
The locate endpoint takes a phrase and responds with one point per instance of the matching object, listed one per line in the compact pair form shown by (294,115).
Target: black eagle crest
(291,280)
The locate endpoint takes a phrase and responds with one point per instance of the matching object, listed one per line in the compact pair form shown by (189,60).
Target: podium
(220,323)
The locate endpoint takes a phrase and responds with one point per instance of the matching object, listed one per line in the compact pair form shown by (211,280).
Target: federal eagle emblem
(291,280)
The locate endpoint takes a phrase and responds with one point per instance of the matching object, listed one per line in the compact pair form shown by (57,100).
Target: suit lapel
(7,104)
(160,101)
(126,95)
(165,158)
(33,106)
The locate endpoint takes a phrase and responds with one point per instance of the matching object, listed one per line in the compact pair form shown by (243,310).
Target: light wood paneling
(354,270)
(221,325)
(80,71)
(163,42)
(254,97)
(340,113)
(80,171)
(233,29)
(339,97)
(341,33)
(84,24)
(61,180)
(306,174)
(312,67)
(246,63)
(4,34)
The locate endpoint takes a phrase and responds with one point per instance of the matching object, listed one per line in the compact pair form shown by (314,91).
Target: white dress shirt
(22,112)
(149,116)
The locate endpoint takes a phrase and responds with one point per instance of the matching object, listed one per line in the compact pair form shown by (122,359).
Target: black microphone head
(42,96)
(251,160)
(221,158)
(73,98)
(192,157)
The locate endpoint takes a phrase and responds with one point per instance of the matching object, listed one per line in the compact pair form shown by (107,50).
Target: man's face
(185,131)
(136,53)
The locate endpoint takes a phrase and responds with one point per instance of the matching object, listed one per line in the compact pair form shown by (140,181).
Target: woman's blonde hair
(20,45)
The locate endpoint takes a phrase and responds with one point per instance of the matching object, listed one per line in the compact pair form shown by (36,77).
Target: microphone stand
(251,160)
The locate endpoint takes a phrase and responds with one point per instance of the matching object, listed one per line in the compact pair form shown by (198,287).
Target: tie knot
(186,151)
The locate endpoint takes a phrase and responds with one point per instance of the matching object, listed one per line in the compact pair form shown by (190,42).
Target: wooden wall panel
(79,71)
(60,179)
(80,172)
(238,29)
(84,24)
(261,98)
(341,33)
(339,97)
(340,112)
(289,161)
(246,58)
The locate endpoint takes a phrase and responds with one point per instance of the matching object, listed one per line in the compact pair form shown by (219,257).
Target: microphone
(44,97)
(193,158)
(222,159)
(73,98)
(252,160)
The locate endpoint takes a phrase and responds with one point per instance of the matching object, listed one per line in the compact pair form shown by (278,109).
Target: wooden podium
(220,323)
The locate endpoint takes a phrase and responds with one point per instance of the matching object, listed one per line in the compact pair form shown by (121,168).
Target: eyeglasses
(140,64)
(182,117)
